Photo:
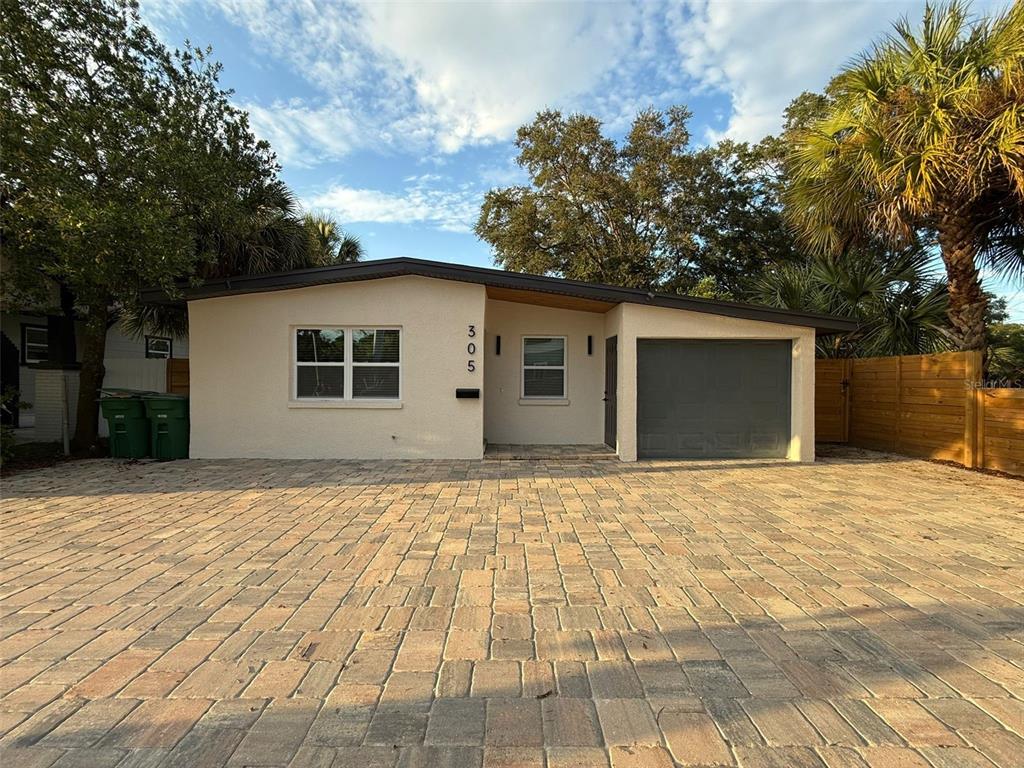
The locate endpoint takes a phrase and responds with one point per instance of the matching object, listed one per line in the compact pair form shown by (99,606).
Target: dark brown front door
(611,367)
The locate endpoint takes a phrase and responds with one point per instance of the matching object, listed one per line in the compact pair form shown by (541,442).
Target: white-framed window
(544,367)
(347,363)
(159,347)
(35,343)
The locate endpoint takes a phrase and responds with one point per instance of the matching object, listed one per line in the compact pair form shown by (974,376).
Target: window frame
(347,365)
(170,347)
(25,327)
(564,368)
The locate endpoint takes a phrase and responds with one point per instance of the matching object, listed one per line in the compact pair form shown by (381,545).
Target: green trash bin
(127,423)
(168,426)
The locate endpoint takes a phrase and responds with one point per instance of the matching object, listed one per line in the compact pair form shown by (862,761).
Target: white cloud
(302,135)
(421,201)
(478,71)
(433,78)
(763,54)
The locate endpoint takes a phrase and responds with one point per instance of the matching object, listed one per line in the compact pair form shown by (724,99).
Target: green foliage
(708,288)
(1006,354)
(900,306)
(275,237)
(649,213)
(925,133)
(121,159)
(6,443)
(9,402)
(119,154)
(329,244)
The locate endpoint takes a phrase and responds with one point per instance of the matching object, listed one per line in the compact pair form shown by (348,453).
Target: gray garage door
(712,399)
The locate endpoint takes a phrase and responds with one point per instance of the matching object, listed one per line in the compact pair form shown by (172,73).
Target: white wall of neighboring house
(126,367)
(10,324)
(121,345)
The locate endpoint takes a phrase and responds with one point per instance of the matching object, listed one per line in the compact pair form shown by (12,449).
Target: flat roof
(381,268)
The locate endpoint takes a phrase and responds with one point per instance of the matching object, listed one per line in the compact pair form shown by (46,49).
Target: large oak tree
(119,159)
(647,212)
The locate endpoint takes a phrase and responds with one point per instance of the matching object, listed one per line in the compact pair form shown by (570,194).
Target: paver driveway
(268,613)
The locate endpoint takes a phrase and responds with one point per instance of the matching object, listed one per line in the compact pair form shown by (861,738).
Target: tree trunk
(90,378)
(62,345)
(967,301)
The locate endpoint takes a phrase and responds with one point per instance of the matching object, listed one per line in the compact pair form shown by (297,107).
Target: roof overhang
(595,293)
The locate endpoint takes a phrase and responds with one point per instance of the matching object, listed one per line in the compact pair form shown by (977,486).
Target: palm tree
(901,306)
(274,236)
(925,133)
(329,243)
(271,237)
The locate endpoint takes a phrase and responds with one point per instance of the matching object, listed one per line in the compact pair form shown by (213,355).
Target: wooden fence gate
(177,375)
(921,405)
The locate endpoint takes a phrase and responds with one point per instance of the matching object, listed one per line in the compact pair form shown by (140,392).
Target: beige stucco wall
(241,369)
(508,418)
(632,321)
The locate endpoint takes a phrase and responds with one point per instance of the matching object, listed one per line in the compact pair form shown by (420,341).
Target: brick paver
(862,611)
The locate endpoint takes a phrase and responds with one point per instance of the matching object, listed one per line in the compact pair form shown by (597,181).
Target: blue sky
(398,117)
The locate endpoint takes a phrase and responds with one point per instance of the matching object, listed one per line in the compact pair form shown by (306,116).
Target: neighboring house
(404,358)
(134,362)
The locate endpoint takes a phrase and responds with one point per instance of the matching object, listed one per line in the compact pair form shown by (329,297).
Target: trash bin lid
(163,396)
(120,393)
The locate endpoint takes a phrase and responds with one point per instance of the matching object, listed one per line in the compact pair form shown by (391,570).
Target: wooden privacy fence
(921,405)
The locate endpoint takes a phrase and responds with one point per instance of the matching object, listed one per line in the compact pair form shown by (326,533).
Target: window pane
(375,381)
(35,348)
(375,346)
(541,383)
(156,347)
(320,380)
(36,336)
(320,346)
(37,352)
(544,352)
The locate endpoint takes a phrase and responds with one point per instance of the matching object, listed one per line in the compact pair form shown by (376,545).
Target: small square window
(544,367)
(158,346)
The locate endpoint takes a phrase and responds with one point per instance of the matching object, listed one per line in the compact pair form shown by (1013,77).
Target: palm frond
(929,120)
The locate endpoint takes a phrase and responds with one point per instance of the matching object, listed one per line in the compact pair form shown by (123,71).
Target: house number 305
(471,349)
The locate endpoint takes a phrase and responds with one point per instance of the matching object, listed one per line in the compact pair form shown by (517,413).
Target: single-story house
(406,358)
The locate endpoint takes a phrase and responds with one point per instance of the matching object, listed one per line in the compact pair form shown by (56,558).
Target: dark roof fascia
(372,270)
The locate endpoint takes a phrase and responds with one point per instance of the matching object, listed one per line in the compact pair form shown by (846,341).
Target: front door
(611,368)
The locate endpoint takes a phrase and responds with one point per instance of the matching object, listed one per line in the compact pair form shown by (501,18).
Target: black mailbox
(469,394)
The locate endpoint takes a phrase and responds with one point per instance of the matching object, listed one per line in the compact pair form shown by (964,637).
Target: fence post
(847,374)
(979,447)
(898,439)
(972,413)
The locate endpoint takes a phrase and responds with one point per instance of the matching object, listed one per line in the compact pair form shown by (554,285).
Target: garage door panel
(729,441)
(766,441)
(690,441)
(763,411)
(713,398)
